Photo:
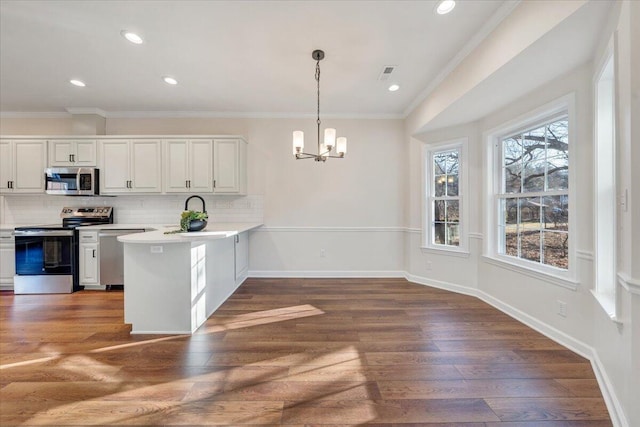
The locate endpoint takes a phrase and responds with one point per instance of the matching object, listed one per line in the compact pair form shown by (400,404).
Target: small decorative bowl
(197,224)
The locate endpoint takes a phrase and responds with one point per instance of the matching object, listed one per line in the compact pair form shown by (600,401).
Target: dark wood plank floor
(292,352)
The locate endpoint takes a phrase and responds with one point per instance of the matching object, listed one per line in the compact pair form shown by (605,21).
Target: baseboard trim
(328,274)
(618,418)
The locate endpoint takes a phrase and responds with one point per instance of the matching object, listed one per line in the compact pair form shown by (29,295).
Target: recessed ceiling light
(132,37)
(78,83)
(170,80)
(393,88)
(445,6)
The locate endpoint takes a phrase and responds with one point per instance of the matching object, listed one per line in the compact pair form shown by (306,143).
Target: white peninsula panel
(174,282)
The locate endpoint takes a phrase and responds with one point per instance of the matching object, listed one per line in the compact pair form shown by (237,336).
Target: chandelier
(327,147)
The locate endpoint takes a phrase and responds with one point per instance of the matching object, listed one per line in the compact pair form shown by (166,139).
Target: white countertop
(219,230)
(123,227)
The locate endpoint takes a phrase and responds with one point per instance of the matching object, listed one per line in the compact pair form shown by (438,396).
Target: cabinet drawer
(6,236)
(88,236)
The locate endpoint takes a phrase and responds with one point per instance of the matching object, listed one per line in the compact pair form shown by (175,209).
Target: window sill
(608,304)
(460,253)
(536,274)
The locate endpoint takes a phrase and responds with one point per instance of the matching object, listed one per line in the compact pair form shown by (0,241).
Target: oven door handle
(35,233)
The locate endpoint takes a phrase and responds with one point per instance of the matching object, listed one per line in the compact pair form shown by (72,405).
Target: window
(605,184)
(533,202)
(530,192)
(444,222)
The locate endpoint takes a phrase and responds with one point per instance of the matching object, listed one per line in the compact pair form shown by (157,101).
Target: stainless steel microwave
(72,181)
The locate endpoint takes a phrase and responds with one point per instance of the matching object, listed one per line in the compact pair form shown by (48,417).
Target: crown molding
(33,115)
(188,114)
(243,115)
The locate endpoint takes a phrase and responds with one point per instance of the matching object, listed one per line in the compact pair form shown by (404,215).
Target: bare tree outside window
(446,198)
(534,202)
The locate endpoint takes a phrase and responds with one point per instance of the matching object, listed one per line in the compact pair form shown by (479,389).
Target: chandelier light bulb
(298,141)
(329,138)
(341,146)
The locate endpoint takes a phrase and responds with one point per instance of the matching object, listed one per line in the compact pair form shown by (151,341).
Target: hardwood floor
(292,352)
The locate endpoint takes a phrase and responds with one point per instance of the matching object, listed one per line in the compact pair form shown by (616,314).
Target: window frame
(429,151)
(606,292)
(564,106)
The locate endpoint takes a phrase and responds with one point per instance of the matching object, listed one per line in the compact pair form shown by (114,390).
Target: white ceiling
(235,57)
(561,50)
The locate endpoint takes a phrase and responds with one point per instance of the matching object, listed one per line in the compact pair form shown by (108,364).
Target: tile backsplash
(130,209)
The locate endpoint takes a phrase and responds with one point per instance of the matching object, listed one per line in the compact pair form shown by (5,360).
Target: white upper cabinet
(22,165)
(229,166)
(130,166)
(70,153)
(188,166)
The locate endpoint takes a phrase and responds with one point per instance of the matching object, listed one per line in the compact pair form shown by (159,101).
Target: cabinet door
(114,173)
(242,257)
(89,263)
(201,166)
(7,257)
(176,171)
(6,166)
(60,153)
(226,157)
(30,162)
(146,175)
(85,153)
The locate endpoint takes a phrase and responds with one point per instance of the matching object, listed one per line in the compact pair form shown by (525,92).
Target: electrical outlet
(323,253)
(156,249)
(562,308)
(429,265)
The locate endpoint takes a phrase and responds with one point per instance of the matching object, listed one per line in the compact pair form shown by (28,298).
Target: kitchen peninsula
(174,282)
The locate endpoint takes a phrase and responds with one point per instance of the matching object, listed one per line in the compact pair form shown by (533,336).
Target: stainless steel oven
(47,255)
(46,260)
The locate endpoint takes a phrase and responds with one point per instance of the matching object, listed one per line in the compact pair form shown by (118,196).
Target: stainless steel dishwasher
(112,256)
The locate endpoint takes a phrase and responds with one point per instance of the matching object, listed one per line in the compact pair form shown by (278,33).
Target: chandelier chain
(318,91)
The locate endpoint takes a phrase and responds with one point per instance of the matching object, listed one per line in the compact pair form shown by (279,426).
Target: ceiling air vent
(387,70)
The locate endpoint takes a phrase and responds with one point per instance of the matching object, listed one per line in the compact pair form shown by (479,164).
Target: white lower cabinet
(7,259)
(89,259)
(241,257)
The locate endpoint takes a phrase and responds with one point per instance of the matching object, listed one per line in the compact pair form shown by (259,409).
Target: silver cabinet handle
(94,253)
